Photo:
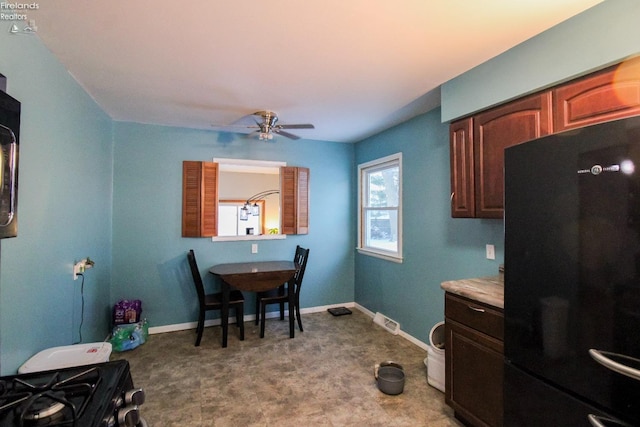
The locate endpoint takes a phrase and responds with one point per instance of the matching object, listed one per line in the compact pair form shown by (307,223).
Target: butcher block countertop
(488,290)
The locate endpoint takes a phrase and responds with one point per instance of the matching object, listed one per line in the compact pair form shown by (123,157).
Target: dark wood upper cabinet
(463,203)
(294,200)
(493,131)
(200,199)
(477,143)
(610,94)
(477,153)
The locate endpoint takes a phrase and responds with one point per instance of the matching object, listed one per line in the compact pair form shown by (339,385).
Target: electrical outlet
(81,266)
(78,268)
(254,248)
(491,252)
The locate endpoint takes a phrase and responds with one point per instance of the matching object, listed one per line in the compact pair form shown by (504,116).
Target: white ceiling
(350,67)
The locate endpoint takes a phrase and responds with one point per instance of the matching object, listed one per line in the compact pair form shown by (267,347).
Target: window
(284,204)
(380,208)
(238,180)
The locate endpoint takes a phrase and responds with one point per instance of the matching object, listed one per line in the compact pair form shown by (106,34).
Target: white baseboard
(308,310)
(402,333)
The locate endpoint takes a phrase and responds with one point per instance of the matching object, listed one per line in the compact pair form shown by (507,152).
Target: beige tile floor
(322,377)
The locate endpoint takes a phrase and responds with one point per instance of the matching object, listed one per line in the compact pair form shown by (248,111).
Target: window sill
(247,238)
(382,255)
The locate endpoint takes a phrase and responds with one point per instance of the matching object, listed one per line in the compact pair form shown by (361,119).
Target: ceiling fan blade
(297,126)
(286,134)
(235,128)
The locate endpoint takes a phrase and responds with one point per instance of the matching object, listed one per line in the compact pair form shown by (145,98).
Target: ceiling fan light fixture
(266,136)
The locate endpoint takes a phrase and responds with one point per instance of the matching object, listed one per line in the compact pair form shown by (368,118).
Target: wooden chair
(280,296)
(214,301)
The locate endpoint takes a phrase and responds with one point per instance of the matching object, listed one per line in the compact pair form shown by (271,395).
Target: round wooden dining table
(256,276)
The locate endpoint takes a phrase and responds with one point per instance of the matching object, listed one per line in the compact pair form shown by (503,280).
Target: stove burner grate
(56,402)
(46,405)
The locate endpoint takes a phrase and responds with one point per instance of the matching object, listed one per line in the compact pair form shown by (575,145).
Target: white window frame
(363,170)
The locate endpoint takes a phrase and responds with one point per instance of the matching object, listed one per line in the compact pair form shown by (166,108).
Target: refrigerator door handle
(601,357)
(598,421)
(11,159)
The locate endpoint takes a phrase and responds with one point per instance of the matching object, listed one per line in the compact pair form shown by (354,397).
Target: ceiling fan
(267,126)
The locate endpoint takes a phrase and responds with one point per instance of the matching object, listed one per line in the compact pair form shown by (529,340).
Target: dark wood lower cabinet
(474,361)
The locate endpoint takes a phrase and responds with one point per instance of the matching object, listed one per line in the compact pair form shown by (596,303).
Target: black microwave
(9,143)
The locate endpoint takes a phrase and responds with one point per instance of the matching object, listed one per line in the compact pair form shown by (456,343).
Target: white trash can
(435,357)
(67,356)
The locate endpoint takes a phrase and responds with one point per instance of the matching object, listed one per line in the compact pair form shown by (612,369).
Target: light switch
(254,248)
(491,252)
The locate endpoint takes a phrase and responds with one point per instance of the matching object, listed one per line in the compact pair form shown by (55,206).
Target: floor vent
(389,324)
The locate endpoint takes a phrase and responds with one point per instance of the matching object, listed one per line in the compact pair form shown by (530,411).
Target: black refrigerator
(572,278)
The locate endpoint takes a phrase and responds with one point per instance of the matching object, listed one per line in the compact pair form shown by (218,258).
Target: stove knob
(118,402)
(129,416)
(134,396)
(109,422)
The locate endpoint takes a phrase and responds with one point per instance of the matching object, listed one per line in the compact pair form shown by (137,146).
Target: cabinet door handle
(476,309)
(604,358)
(451,198)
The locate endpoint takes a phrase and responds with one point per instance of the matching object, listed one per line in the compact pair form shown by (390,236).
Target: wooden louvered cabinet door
(294,200)
(199,199)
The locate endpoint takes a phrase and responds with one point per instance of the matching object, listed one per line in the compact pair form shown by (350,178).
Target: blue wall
(64,208)
(601,35)
(149,254)
(436,247)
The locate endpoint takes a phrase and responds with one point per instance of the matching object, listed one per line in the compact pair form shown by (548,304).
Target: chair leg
(240,319)
(281,293)
(200,328)
(297,302)
(263,309)
(258,296)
